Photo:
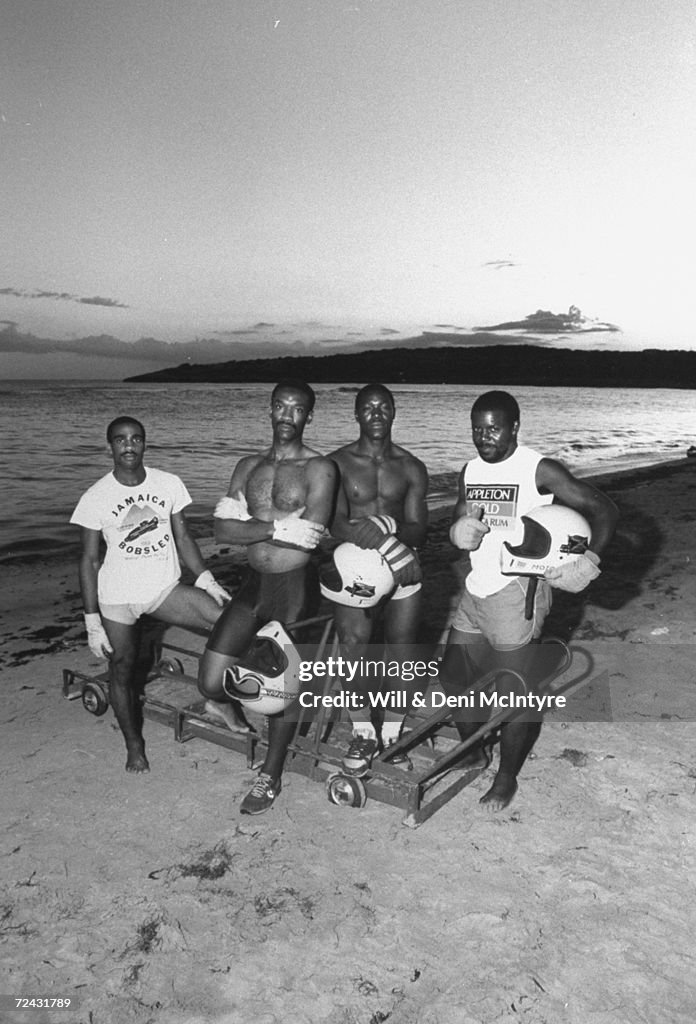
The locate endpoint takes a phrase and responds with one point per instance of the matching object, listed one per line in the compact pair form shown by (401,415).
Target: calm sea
(52,444)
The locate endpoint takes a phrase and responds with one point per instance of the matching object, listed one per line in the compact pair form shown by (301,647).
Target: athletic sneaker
(261,795)
(359,754)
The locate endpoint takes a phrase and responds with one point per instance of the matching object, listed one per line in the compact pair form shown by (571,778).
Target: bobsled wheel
(349,792)
(170,667)
(94,699)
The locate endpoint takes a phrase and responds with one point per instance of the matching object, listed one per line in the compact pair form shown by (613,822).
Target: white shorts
(128,614)
(406,591)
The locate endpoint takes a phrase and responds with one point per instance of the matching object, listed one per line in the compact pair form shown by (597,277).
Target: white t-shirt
(506,490)
(141,557)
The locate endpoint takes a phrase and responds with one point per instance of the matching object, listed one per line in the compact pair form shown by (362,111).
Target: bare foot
(474,758)
(227,713)
(500,794)
(137,763)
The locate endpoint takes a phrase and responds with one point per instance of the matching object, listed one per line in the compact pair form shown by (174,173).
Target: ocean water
(52,443)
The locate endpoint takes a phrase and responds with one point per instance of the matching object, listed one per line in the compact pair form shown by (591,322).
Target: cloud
(546,322)
(97,300)
(207,350)
(12,340)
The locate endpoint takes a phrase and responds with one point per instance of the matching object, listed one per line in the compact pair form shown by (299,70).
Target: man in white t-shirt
(495,623)
(138,512)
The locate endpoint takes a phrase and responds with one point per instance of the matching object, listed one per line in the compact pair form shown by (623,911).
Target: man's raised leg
(192,607)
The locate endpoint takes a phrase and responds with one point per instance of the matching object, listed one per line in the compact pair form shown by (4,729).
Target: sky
(271,173)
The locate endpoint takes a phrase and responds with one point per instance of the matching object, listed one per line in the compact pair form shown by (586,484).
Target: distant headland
(518,364)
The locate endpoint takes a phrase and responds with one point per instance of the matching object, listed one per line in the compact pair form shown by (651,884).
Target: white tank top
(506,490)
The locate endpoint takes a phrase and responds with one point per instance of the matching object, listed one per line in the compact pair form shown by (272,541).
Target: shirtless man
(278,504)
(381,505)
(490,627)
(139,512)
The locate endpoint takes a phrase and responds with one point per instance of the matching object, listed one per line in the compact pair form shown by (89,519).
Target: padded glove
(575,576)
(232,508)
(97,639)
(301,533)
(402,561)
(371,531)
(206,581)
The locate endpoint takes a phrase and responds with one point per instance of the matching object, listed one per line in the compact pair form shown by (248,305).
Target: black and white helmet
(266,677)
(553,536)
(358,577)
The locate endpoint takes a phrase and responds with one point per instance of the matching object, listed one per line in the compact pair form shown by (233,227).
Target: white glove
(97,639)
(574,576)
(402,561)
(232,508)
(468,532)
(371,531)
(301,533)
(206,581)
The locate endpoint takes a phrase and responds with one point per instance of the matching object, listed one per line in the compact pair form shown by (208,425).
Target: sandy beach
(150,900)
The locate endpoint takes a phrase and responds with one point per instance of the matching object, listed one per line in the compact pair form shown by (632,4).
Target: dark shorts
(283,596)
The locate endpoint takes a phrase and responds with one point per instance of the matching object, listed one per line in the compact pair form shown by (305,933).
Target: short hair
(374,387)
(119,421)
(498,400)
(296,385)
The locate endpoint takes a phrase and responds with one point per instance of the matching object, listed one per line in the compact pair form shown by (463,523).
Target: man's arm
(236,525)
(302,528)
(460,507)
(413,528)
(97,639)
(600,510)
(190,555)
(322,480)
(89,568)
(189,552)
(466,531)
(340,524)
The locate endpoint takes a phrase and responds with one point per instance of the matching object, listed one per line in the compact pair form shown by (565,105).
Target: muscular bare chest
(274,487)
(373,485)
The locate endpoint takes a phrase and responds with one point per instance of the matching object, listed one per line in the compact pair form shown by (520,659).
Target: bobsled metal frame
(317,753)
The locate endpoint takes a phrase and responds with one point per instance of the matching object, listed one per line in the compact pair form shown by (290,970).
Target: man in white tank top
(494,623)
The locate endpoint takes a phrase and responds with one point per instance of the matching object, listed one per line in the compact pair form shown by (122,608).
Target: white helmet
(553,535)
(266,677)
(358,577)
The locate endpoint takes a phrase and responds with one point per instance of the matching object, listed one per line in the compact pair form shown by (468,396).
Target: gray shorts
(128,614)
(499,618)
